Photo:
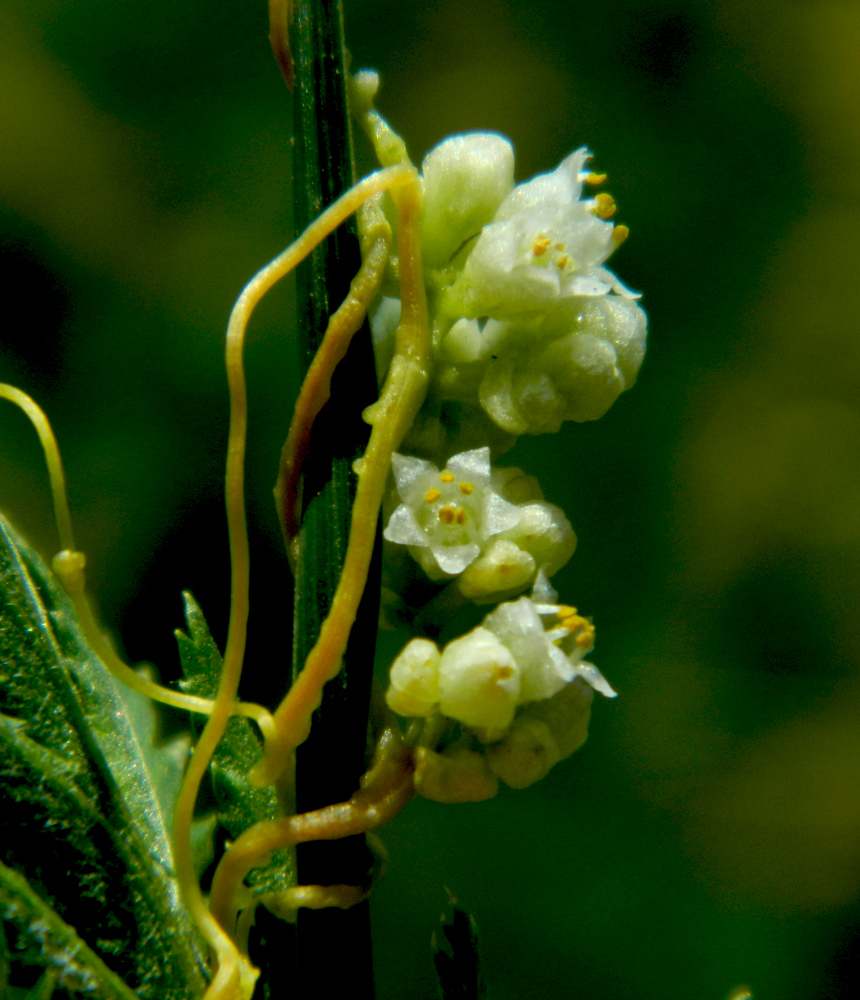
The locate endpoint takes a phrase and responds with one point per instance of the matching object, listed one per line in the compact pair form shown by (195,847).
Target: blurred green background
(708,834)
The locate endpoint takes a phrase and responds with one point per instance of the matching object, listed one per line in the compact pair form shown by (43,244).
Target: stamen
(447,515)
(604,205)
(467,489)
(461,516)
(565,610)
(447,477)
(562,260)
(432,495)
(594,178)
(541,245)
(585,640)
(620,234)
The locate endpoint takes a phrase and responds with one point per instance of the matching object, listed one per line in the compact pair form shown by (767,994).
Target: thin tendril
(52,460)
(391,416)
(386,789)
(232,969)
(316,388)
(69,566)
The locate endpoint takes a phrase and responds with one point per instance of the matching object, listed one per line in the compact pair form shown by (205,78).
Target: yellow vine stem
(316,388)
(234,977)
(386,789)
(391,417)
(69,566)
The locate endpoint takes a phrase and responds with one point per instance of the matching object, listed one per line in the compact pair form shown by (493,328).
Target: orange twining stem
(234,976)
(386,789)
(280,18)
(391,417)
(316,388)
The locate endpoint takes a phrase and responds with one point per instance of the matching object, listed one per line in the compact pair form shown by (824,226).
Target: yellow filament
(52,460)
(385,790)
(69,565)
(391,416)
(316,388)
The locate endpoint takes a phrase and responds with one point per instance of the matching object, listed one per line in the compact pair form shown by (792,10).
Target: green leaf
(43,939)
(239,804)
(84,795)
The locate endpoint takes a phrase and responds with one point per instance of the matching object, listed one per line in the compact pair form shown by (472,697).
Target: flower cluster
(491,680)
(529,325)
(529,329)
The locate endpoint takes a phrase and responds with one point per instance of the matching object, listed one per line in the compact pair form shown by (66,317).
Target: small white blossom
(545,244)
(524,651)
(446,518)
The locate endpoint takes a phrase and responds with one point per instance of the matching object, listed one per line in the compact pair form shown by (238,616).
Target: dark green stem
(334,946)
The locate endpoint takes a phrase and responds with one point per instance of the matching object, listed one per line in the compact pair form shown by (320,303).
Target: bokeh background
(708,834)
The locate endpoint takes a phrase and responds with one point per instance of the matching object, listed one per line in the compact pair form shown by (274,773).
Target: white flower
(523,652)
(545,244)
(446,518)
(549,653)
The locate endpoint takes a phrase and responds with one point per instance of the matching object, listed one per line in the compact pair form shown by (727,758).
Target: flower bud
(466,178)
(414,676)
(479,681)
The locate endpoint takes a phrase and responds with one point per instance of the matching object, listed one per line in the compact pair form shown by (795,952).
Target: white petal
(587,284)
(404,528)
(591,675)
(454,558)
(408,471)
(471,466)
(498,515)
(543,592)
(562,185)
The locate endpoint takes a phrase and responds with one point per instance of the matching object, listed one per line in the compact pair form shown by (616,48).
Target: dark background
(708,834)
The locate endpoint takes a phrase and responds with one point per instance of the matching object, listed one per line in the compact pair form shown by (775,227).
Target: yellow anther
(541,245)
(585,639)
(461,516)
(595,178)
(447,477)
(466,489)
(604,205)
(504,673)
(574,622)
(566,610)
(559,246)
(562,260)
(447,515)
(620,234)
(432,495)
